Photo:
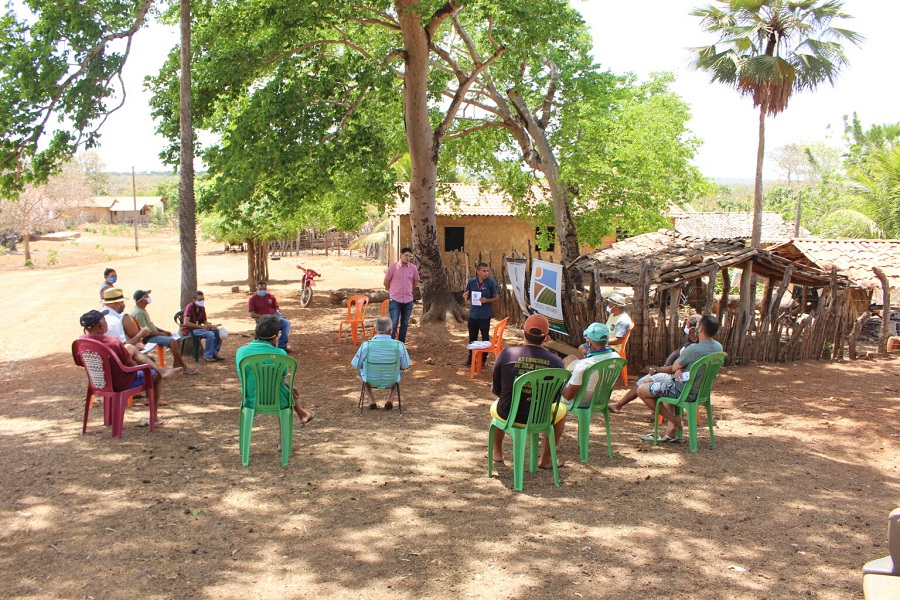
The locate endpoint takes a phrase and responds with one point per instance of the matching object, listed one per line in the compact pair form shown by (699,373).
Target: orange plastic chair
(495,348)
(99,363)
(620,349)
(356,317)
(384,313)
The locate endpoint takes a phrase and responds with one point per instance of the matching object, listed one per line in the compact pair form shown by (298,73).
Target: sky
(639,37)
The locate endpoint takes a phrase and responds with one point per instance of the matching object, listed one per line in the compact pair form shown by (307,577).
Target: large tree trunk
(26,242)
(257,262)
(187,218)
(424,149)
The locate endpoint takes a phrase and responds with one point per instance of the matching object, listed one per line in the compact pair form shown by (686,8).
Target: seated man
(663,373)
(263,303)
(194,324)
(649,392)
(95,328)
(266,331)
(157,335)
(512,362)
(597,335)
(383,328)
(114,300)
(619,322)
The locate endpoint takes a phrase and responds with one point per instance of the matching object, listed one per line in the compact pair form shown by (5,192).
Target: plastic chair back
(99,363)
(607,373)
(694,394)
(356,317)
(542,388)
(382,364)
(263,378)
(495,348)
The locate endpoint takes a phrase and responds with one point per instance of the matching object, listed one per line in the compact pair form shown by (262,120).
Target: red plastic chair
(356,317)
(495,348)
(99,362)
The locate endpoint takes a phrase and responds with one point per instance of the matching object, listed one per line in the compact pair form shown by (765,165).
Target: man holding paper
(481,292)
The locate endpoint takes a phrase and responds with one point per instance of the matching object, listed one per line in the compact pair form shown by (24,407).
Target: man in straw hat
(512,362)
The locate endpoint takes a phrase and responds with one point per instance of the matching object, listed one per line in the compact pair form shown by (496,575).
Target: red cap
(537,325)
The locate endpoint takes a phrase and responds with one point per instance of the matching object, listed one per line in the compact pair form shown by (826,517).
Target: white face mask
(202,303)
(149,300)
(609,309)
(687,331)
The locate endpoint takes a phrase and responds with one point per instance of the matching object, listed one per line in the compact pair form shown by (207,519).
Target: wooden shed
(662,265)
(855,260)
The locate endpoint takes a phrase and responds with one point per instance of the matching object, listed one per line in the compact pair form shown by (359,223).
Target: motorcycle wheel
(305,295)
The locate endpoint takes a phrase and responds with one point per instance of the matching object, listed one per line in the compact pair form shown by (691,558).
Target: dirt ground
(791,503)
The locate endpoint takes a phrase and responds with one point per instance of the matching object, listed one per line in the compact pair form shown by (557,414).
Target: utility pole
(134,198)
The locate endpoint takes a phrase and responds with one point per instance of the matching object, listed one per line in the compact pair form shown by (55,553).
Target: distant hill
(146,183)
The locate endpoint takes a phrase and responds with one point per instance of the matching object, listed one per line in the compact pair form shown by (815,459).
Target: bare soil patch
(790,504)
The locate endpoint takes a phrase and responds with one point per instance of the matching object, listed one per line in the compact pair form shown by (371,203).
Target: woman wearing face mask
(663,373)
(109,280)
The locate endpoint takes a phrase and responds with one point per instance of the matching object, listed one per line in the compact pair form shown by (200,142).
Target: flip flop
(308,419)
(614,411)
(388,406)
(191,372)
(373,406)
(559,465)
(663,438)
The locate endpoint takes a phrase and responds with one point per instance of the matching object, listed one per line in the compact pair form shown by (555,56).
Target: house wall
(93,215)
(484,235)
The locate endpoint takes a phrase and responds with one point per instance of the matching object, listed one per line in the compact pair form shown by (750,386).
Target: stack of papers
(479,345)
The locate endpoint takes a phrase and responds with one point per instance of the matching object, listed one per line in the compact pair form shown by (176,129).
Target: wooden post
(885,310)
(854,334)
(726,288)
(710,291)
(674,320)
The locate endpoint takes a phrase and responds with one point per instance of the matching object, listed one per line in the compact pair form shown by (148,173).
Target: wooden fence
(775,333)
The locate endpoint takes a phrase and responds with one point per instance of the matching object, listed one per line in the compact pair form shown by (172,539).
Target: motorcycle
(307,284)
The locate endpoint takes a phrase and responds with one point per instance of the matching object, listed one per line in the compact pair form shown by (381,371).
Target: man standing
(95,328)
(383,327)
(597,336)
(157,335)
(194,324)
(649,392)
(512,362)
(267,327)
(481,292)
(400,280)
(262,304)
(619,322)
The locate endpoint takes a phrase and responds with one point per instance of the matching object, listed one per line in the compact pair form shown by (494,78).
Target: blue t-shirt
(488,289)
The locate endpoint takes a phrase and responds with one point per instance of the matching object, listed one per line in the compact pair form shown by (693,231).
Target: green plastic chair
(546,386)
(382,368)
(608,372)
(263,376)
(699,387)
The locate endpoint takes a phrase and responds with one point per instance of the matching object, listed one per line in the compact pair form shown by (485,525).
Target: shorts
(560,414)
(665,389)
(655,378)
(139,378)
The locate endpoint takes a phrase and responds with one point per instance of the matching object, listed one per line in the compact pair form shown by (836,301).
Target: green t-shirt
(143,319)
(260,347)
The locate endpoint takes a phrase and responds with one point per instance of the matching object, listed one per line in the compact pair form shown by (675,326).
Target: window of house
(454,238)
(545,238)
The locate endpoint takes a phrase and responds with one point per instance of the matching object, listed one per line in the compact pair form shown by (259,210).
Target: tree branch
(474,128)
(440,15)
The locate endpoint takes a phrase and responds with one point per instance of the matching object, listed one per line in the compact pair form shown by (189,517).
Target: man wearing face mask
(664,373)
(195,324)
(619,322)
(157,336)
(109,280)
(263,303)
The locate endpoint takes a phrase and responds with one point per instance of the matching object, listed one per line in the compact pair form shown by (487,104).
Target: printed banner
(516,269)
(546,293)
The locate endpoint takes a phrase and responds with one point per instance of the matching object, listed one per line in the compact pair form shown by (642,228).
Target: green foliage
(53,257)
(59,64)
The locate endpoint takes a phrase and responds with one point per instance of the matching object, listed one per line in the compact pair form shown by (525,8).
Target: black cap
(140,294)
(91,318)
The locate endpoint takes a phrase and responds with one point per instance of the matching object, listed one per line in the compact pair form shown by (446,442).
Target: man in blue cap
(596,349)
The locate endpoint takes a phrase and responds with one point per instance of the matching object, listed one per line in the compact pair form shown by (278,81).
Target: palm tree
(769,49)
